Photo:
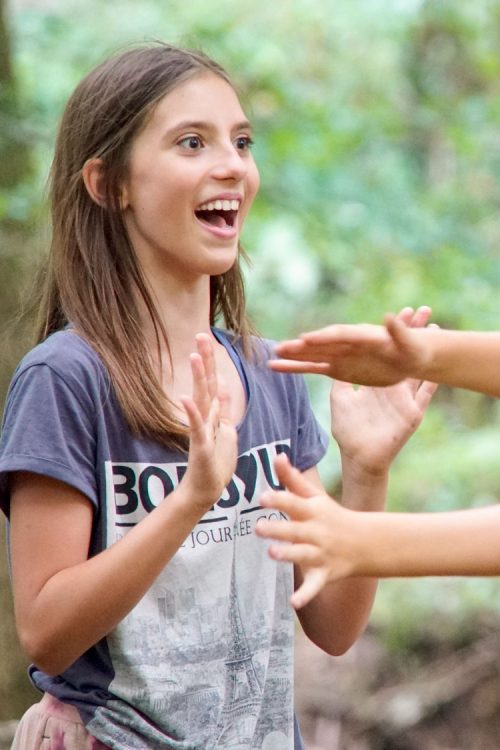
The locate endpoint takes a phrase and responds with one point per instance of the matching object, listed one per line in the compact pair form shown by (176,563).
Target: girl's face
(191,180)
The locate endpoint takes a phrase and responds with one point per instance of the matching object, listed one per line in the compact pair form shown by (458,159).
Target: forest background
(378,141)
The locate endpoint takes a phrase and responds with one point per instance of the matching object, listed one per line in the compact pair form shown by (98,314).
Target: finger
(398,330)
(280,531)
(299,554)
(339,333)
(405,319)
(405,315)
(421,317)
(213,418)
(424,394)
(224,399)
(313,582)
(401,337)
(292,346)
(305,351)
(200,389)
(206,352)
(293,478)
(293,505)
(288,365)
(195,421)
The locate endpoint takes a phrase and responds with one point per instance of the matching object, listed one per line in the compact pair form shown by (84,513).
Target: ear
(93,179)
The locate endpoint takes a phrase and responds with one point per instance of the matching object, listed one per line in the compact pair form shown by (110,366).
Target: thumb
(398,331)
(339,388)
(314,580)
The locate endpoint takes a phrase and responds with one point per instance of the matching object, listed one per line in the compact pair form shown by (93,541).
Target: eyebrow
(203,125)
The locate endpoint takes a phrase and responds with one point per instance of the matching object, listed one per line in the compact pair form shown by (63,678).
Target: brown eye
(243,143)
(191,142)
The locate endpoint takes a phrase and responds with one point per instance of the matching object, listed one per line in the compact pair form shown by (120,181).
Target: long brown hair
(92,277)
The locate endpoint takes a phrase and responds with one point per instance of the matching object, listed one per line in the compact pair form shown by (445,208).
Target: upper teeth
(220,206)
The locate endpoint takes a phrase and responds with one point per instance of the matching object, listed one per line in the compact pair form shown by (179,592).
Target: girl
(150,611)
(331,542)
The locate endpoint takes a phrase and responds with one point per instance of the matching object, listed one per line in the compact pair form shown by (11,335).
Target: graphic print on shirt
(210,615)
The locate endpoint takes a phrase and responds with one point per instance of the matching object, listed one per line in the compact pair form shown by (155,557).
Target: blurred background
(378,140)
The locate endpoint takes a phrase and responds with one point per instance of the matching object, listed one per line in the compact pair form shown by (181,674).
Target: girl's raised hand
(212,437)
(372,424)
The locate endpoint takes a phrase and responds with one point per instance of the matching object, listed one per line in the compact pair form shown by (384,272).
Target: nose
(230,164)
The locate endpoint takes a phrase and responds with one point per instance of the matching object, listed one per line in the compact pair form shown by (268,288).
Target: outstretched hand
(318,533)
(372,424)
(363,354)
(212,436)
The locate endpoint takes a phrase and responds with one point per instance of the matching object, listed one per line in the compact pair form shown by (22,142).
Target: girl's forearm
(353,598)
(339,613)
(456,543)
(92,597)
(363,489)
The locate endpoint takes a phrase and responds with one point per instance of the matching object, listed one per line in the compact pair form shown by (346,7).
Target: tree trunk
(16,693)
(15,153)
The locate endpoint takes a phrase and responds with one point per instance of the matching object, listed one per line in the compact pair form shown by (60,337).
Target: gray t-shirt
(205,659)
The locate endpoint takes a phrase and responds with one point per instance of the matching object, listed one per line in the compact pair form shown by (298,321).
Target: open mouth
(220,213)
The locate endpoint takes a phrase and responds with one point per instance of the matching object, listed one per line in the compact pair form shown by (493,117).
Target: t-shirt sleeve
(312,439)
(48,429)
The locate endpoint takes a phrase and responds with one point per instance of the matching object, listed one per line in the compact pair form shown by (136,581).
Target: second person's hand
(372,424)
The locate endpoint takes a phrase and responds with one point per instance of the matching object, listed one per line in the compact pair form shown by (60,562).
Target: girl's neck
(184,311)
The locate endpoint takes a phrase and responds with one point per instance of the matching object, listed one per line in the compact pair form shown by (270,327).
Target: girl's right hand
(212,438)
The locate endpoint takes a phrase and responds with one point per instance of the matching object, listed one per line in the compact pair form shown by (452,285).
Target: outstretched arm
(51,527)
(370,426)
(384,355)
(362,353)
(330,542)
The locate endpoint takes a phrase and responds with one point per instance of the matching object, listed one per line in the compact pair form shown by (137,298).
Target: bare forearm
(92,597)
(362,488)
(458,543)
(336,617)
(462,359)
(351,600)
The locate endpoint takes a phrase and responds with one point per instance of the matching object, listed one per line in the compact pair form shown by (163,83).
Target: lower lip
(223,233)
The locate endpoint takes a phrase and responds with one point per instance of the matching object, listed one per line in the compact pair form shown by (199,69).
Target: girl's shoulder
(66,354)
(63,346)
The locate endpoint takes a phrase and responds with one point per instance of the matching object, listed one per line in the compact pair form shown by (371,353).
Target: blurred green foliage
(378,140)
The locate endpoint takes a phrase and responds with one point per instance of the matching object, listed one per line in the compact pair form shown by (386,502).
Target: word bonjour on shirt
(138,488)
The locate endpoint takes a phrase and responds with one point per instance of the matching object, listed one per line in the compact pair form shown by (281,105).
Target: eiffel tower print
(242,691)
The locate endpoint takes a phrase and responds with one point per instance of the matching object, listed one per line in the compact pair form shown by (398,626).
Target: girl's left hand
(212,437)
(370,424)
